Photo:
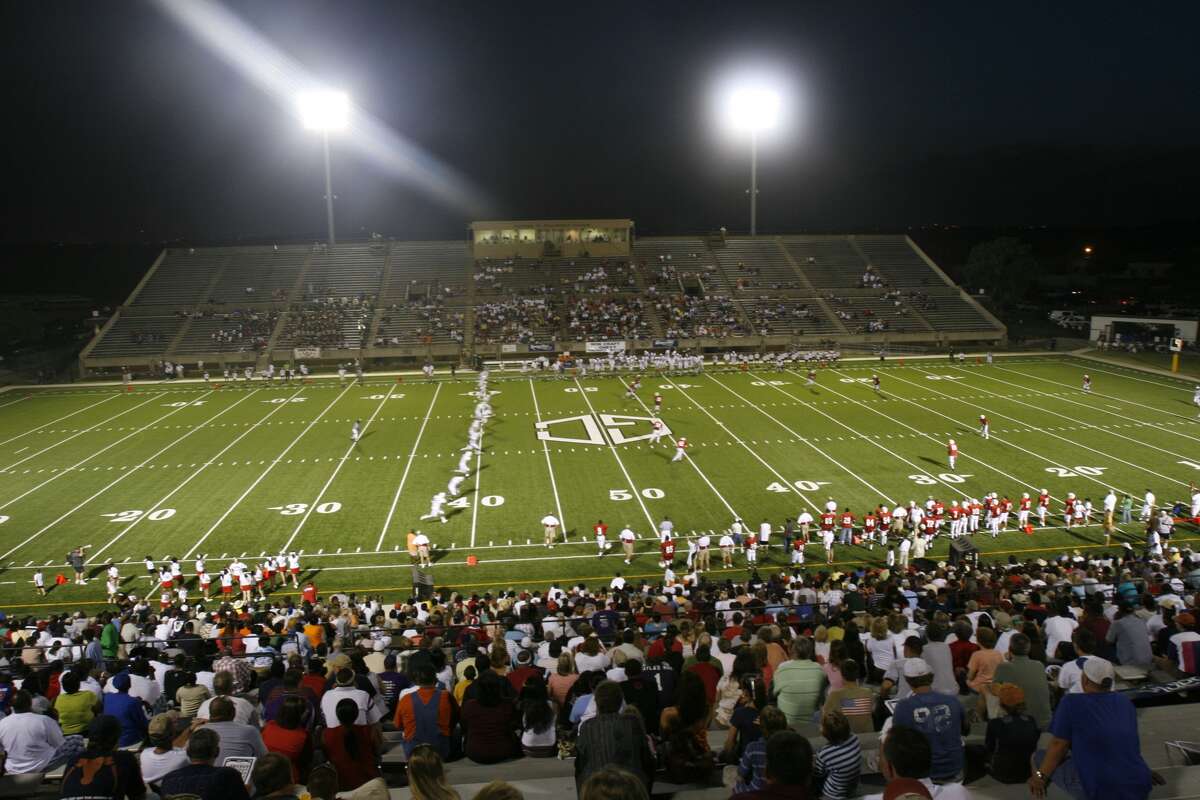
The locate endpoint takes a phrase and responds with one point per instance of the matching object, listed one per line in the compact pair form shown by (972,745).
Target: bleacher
(412,323)
(138,336)
(785,315)
(203,334)
(259,274)
(349,270)
(181,278)
(952,312)
(758,264)
(897,262)
(428,266)
(828,262)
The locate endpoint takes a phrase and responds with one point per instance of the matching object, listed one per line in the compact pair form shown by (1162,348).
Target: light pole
(325,111)
(754,109)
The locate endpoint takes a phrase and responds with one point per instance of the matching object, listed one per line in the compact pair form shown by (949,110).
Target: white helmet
(1025,495)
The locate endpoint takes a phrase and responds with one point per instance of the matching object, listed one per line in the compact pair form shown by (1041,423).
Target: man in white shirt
(244,712)
(34,742)
(549,529)
(764,534)
(369,712)
(1147,506)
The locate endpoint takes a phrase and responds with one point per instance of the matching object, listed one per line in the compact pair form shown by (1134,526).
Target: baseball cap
(916,668)
(162,724)
(121,681)
(1186,619)
(1099,671)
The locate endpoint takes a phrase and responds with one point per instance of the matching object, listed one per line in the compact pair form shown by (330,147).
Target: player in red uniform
(875,383)
(666,548)
(657,403)
(984,427)
(680,449)
(601,532)
(1023,511)
(870,521)
(952,452)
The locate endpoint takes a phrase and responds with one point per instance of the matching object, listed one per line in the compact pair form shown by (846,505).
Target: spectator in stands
(752,762)
(1059,628)
(981,668)
(201,778)
(346,687)
(1029,676)
(128,710)
(939,716)
(938,656)
(272,777)
(237,738)
(1129,634)
(392,682)
(904,759)
(707,668)
(961,649)
(1072,671)
(1095,750)
(1182,652)
(33,742)
(190,696)
(641,692)
(489,722)
(691,712)
(224,684)
(75,707)
(353,748)
(854,701)
(427,775)
(101,771)
(287,735)
(1012,737)
(426,714)
(613,783)
(797,685)
(612,739)
(539,737)
(837,765)
(789,769)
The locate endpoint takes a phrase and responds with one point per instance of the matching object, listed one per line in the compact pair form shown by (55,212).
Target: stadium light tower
(325,111)
(753,107)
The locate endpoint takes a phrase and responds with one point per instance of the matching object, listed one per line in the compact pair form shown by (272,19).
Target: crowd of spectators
(515,320)
(433,322)
(687,316)
(628,676)
(612,318)
(328,321)
(247,330)
(769,316)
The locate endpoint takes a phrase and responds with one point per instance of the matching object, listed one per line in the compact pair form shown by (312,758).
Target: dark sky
(120,126)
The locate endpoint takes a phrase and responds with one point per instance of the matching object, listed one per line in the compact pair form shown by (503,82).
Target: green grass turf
(229,462)
(1189,364)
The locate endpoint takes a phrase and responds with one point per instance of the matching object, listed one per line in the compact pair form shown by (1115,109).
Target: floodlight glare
(323,110)
(754,108)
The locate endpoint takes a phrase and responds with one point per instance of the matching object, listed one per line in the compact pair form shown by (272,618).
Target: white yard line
(996,438)
(804,439)
(1078,421)
(1106,397)
(278,407)
(407,467)
(690,460)
(954,488)
(931,437)
(338,468)
(77,465)
(19,399)
(55,421)
(1158,383)
(999,415)
(637,494)
(747,447)
(266,471)
(119,478)
(537,412)
(80,433)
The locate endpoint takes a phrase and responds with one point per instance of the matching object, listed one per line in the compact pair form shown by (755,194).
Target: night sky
(121,127)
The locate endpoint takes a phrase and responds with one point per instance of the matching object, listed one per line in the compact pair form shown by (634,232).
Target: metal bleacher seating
(800,317)
(756,264)
(829,262)
(897,262)
(410,323)
(427,265)
(138,336)
(685,256)
(349,270)
(181,278)
(201,337)
(951,311)
(259,274)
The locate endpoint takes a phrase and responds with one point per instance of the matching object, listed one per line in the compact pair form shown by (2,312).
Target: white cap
(919,667)
(1098,671)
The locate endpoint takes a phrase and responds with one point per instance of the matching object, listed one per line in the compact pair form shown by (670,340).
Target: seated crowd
(627,678)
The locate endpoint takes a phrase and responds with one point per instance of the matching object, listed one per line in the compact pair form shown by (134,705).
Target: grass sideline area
(1189,363)
(251,468)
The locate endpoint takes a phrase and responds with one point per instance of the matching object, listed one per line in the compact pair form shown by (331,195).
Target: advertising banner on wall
(306,352)
(604,347)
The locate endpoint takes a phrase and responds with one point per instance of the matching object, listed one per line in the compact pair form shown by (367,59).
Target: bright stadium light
(754,105)
(325,110)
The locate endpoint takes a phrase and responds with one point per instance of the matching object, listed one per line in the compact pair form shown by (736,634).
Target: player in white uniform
(680,449)
(1196,398)
(1195,492)
(356,431)
(1147,506)
(1087,383)
(984,427)
(454,484)
(436,504)
(464,463)
(550,529)
(764,534)
(657,431)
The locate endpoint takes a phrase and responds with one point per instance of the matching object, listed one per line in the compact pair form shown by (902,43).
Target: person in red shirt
(666,548)
(869,523)
(847,527)
(601,532)
(309,593)
(707,669)
(952,452)
(960,652)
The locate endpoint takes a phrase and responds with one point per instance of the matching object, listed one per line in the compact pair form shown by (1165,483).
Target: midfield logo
(596,426)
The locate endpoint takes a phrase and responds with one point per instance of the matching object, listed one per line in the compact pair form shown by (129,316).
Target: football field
(246,469)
